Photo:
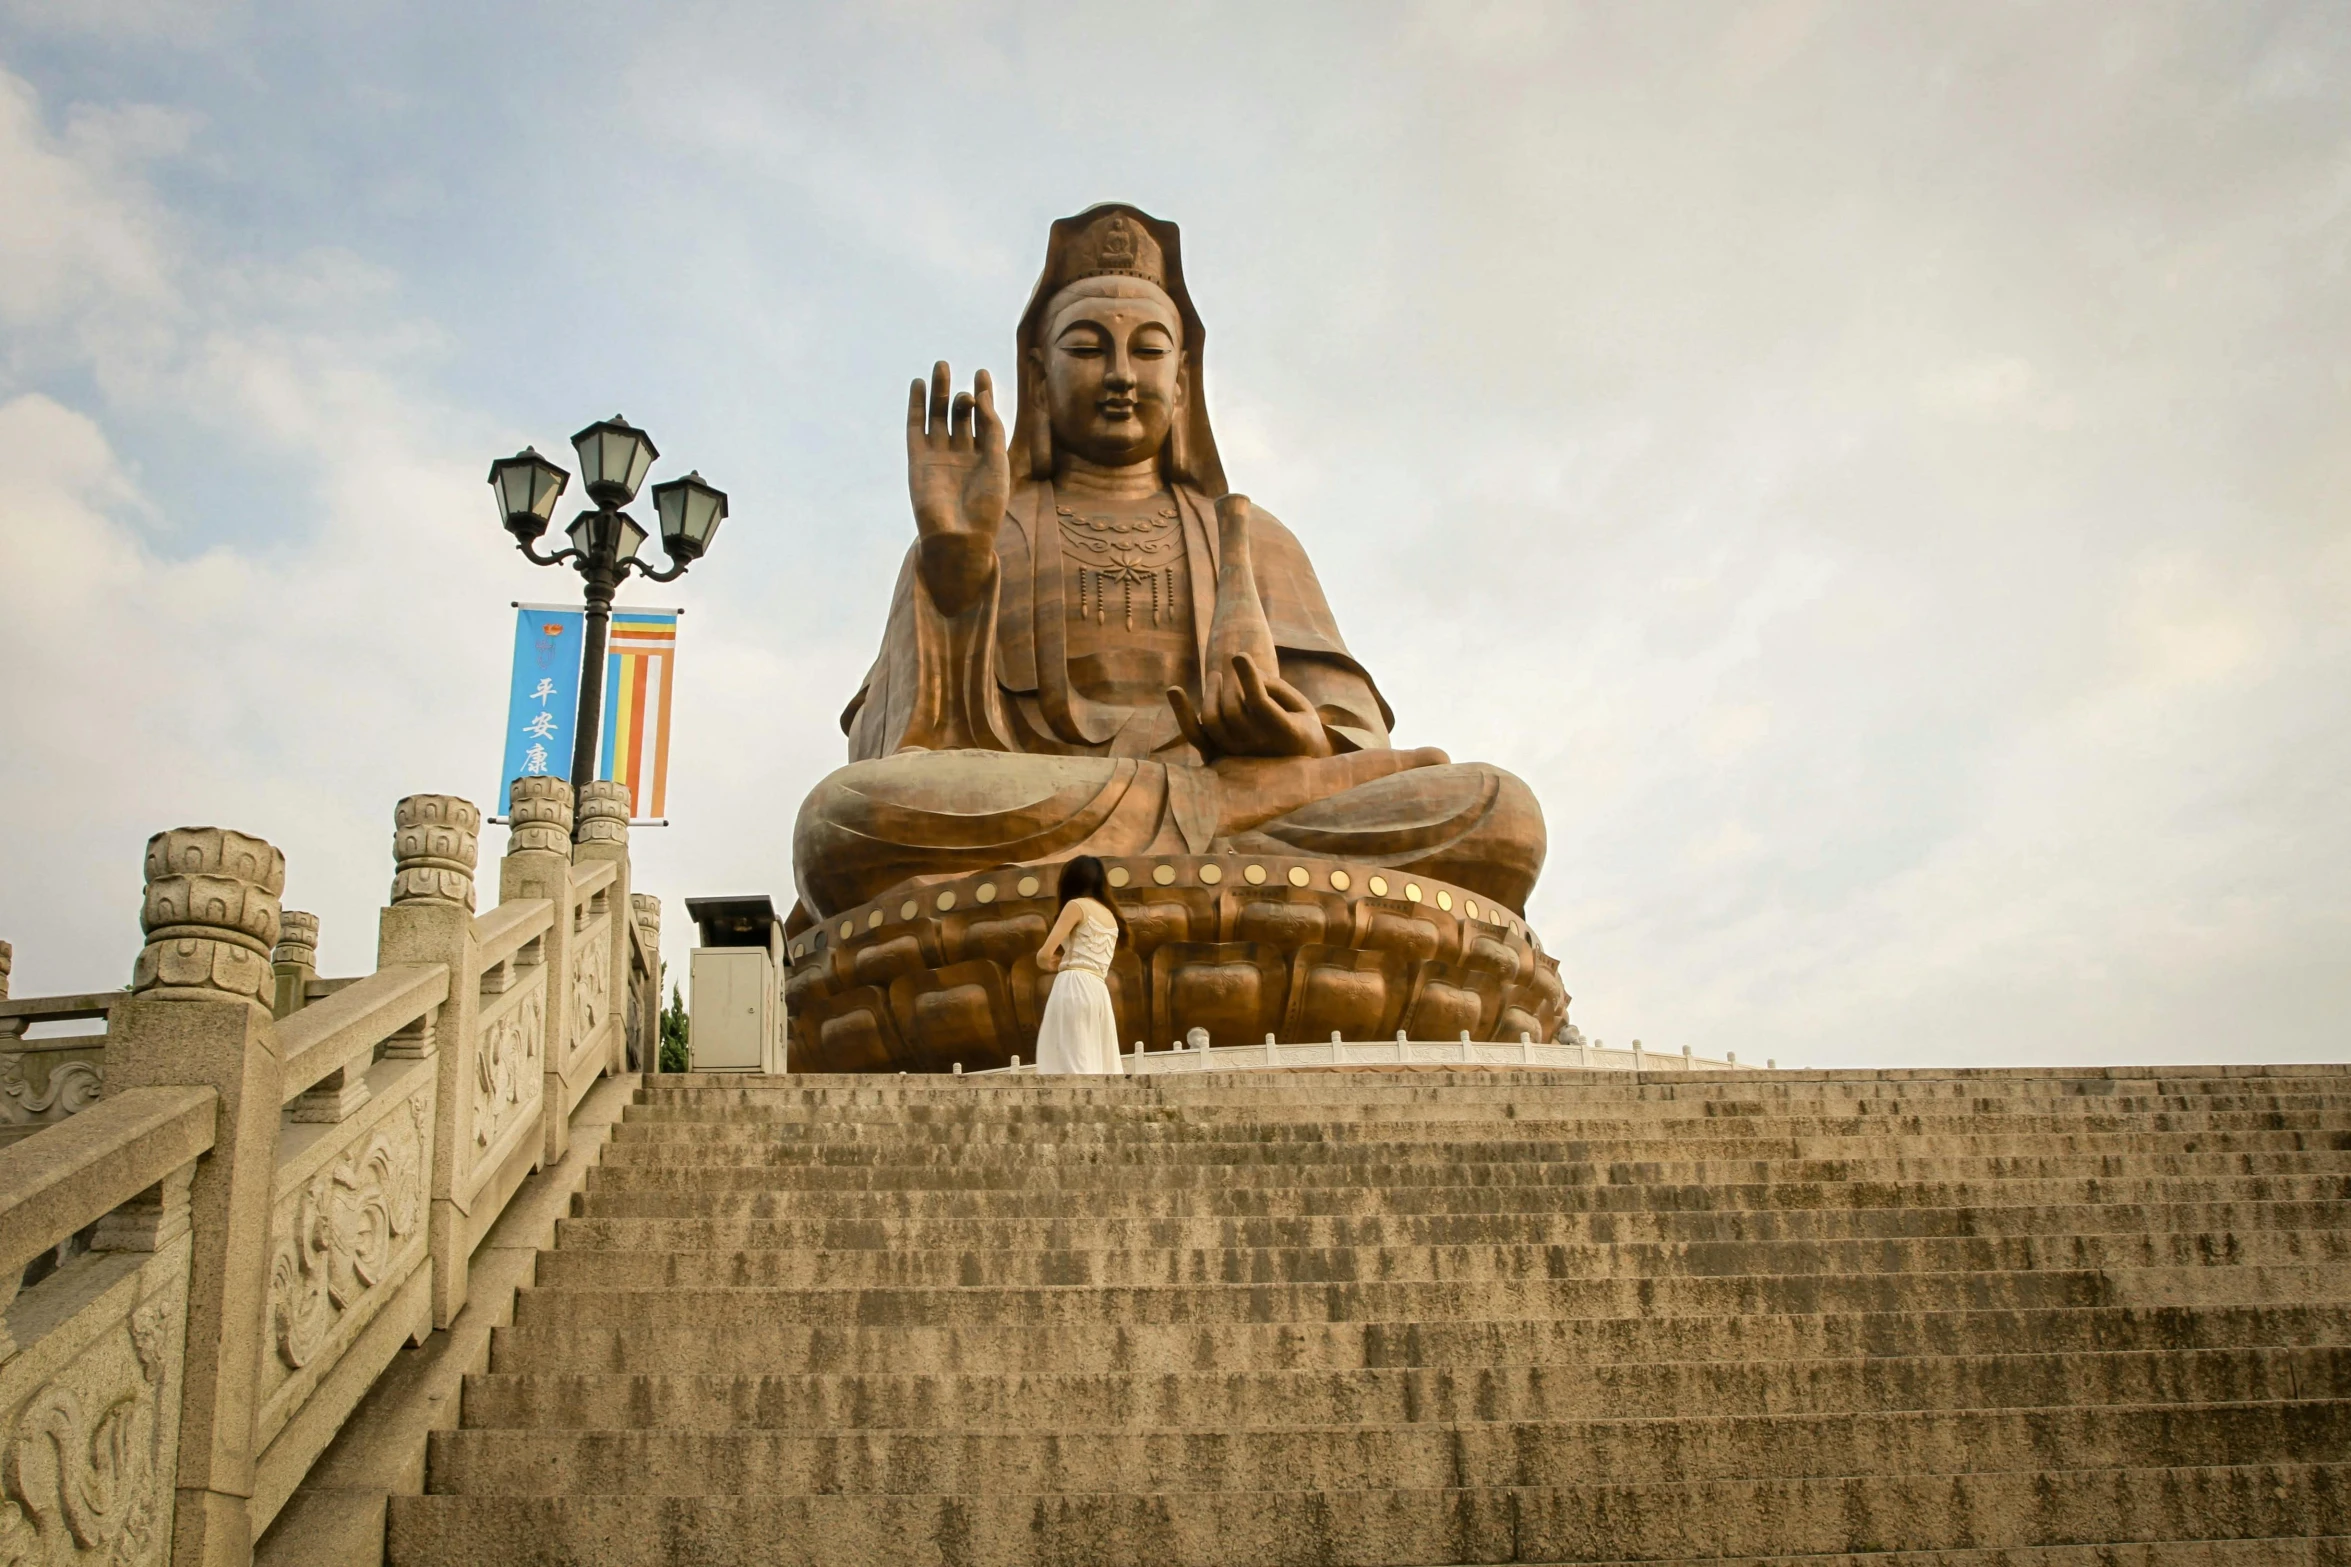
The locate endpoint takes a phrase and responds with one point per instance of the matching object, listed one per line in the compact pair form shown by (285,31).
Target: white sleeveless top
(1091,944)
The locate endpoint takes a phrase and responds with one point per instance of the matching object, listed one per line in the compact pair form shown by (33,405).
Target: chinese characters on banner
(639,664)
(545,696)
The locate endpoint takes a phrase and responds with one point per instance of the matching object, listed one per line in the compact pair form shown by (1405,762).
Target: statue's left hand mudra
(1094,646)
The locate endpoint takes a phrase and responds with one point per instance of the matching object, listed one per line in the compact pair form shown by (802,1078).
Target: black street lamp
(614,457)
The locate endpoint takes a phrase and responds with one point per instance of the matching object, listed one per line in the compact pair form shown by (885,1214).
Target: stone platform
(942,970)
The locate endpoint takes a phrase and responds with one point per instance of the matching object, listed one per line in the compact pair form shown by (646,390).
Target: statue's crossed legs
(873,824)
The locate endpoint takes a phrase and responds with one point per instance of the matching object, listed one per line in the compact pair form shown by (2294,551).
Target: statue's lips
(1116,407)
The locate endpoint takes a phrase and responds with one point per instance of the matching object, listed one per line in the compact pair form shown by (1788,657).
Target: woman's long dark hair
(1082,876)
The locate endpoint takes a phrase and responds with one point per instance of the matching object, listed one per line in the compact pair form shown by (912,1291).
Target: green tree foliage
(675,1054)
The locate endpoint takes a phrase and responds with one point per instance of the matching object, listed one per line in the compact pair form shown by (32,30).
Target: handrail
(62,1009)
(512,926)
(331,1033)
(87,1165)
(589,877)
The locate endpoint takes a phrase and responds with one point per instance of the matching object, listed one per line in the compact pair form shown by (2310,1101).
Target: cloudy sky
(1881,472)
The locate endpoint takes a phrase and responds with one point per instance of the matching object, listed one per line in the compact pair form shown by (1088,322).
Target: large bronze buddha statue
(1094,647)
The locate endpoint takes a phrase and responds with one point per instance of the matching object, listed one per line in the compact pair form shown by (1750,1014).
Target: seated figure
(1094,647)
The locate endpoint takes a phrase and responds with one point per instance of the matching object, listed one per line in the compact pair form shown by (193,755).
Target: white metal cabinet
(734,1009)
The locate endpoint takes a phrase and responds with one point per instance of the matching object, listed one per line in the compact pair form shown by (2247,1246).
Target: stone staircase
(2025,1317)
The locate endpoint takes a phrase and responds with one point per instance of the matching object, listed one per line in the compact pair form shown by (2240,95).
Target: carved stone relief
(73,1086)
(435,842)
(82,1479)
(591,984)
(335,1238)
(507,1067)
(210,914)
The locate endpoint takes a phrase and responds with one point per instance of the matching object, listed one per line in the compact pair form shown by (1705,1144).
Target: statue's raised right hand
(955,464)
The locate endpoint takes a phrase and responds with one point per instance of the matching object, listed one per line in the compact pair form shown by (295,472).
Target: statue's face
(1112,356)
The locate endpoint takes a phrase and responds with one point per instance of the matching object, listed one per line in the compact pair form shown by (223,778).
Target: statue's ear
(1033,395)
(1175,458)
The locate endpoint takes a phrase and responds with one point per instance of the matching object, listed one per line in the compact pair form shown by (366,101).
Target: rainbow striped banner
(640,663)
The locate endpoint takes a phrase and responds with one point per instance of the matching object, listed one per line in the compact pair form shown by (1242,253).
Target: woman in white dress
(1080,1031)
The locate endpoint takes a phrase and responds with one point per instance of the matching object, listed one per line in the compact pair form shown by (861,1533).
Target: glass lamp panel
(639,460)
(631,536)
(706,508)
(583,533)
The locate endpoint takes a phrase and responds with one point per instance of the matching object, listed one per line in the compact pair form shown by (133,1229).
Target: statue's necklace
(1131,556)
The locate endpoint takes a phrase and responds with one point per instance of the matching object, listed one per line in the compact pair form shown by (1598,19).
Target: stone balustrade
(1197,1055)
(289,1170)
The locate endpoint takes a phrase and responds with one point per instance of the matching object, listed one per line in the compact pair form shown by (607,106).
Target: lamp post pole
(614,457)
(602,582)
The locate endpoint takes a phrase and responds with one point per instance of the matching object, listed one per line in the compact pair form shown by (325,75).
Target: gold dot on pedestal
(1341,880)
(1379,886)
(1444,899)
(1412,890)
(1163,874)
(848,929)
(1211,874)
(946,901)
(1254,875)
(1471,905)
(795,952)
(1298,876)
(873,921)
(1028,886)
(987,892)
(1118,876)
(906,909)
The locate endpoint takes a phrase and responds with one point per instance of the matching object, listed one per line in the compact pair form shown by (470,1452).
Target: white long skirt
(1080,1031)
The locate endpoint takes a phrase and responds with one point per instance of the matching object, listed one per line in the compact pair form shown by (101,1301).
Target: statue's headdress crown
(1114,245)
(1116,240)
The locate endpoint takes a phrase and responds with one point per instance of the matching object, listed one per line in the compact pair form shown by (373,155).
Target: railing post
(294,961)
(647,909)
(199,1014)
(538,865)
(436,839)
(603,834)
(7,962)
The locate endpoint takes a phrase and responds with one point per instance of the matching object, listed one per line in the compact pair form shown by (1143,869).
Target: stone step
(1395,1178)
(1100,1233)
(1147,1127)
(662,1340)
(2329,1551)
(868,1267)
(636,1197)
(1563,1522)
(1277,1106)
(1501,1146)
(1230,1400)
(1477,1455)
(1505,1299)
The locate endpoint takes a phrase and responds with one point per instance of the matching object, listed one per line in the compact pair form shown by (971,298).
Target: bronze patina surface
(1095,646)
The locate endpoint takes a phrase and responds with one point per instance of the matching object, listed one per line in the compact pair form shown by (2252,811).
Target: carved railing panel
(347,1230)
(90,1380)
(503,1088)
(89,1415)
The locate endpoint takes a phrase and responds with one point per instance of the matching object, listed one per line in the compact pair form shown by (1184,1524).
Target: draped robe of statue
(976,742)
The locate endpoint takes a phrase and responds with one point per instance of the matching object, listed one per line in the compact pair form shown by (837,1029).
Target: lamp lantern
(593,530)
(614,458)
(527,487)
(690,513)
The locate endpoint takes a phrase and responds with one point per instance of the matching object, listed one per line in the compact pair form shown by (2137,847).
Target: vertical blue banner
(545,698)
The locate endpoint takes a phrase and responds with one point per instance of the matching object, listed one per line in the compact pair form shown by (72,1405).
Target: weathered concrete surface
(2040,1318)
